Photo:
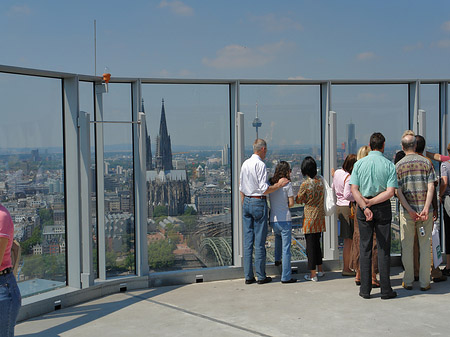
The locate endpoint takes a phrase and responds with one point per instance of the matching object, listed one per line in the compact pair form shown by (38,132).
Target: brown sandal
(375,283)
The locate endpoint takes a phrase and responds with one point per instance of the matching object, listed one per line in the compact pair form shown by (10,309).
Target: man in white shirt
(254,188)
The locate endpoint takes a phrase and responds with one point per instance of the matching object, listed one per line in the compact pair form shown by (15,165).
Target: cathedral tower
(163,145)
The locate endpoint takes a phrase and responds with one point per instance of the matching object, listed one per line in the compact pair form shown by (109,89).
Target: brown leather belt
(256,196)
(5,271)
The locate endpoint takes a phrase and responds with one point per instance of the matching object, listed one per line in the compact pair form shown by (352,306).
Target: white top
(253,179)
(279,209)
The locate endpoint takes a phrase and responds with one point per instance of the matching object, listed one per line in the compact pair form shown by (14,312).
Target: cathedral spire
(148,162)
(163,144)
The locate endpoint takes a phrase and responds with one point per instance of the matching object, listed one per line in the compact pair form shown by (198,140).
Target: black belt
(256,196)
(5,271)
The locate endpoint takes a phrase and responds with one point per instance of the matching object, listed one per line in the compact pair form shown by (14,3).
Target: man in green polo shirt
(373,183)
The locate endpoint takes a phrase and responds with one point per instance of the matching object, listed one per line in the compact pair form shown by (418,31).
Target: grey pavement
(330,307)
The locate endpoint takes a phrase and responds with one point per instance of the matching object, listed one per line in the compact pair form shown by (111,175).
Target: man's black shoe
(266,280)
(365,296)
(392,294)
(292,280)
(446,271)
(277,263)
(252,280)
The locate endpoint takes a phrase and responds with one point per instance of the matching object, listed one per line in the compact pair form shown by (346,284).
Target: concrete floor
(330,307)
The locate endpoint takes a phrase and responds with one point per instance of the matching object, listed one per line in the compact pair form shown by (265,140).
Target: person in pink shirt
(10,299)
(340,184)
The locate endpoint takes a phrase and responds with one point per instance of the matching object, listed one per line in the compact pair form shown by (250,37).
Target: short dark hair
(309,167)
(349,161)
(399,156)
(376,141)
(420,144)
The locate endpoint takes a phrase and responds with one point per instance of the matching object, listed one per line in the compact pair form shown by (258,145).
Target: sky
(228,40)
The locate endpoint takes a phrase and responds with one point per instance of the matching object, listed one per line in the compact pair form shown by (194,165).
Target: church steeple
(163,144)
(149,163)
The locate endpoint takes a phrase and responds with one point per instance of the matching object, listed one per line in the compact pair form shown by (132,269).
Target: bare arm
(383,196)
(430,192)
(361,201)
(434,156)
(242,197)
(443,187)
(401,197)
(282,182)
(3,245)
(291,201)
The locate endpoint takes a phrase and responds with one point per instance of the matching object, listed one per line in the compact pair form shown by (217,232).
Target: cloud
(413,47)
(185,73)
(443,43)
(237,56)
(19,11)
(368,55)
(164,73)
(446,26)
(177,7)
(272,23)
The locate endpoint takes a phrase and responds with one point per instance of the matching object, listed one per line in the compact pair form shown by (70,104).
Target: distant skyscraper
(163,145)
(351,140)
(148,141)
(257,122)
(225,155)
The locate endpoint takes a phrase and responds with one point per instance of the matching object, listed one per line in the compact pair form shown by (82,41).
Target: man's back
(414,173)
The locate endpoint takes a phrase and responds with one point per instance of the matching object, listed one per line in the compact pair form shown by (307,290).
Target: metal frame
(77,170)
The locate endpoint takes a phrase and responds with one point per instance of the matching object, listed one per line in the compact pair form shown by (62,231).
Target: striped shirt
(414,173)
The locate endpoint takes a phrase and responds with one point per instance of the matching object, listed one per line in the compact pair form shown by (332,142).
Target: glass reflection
(32,177)
(188,176)
(288,118)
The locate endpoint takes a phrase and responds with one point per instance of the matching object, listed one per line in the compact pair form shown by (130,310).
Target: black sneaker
(266,280)
(365,296)
(388,296)
(292,280)
(252,280)
(446,271)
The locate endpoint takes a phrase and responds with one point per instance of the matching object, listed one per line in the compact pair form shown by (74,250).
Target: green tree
(159,211)
(160,254)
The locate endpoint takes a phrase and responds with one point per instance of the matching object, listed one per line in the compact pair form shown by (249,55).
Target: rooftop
(330,307)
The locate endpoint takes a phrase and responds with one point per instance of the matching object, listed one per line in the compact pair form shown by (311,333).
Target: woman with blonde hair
(354,256)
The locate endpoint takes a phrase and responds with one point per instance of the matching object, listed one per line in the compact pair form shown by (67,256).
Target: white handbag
(435,240)
(329,198)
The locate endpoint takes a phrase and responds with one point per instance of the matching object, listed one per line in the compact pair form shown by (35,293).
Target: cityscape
(189,205)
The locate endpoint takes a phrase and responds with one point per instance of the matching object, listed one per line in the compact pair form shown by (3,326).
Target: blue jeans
(283,233)
(10,302)
(255,214)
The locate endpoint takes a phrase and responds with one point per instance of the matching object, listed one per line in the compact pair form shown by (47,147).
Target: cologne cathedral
(166,186)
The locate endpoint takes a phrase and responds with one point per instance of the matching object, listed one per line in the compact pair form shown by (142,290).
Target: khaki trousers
(408,228)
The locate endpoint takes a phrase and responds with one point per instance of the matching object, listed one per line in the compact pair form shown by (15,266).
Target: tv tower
(257,122)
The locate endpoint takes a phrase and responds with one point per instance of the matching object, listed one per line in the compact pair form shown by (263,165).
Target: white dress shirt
(253,179)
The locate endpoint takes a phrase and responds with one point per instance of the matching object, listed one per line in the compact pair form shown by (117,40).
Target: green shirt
(373,174)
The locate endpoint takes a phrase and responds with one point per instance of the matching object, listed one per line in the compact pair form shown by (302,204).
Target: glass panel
(32,177)
(290,124)
(87,105)
(118,180)
(188,176)
(363,110)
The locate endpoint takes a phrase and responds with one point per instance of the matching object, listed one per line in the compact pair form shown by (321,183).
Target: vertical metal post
(413,105)
(237,146)
(87,274)
(71,110)
(443,138)
(140,182)
(100,193)
(422,123)
(329,161)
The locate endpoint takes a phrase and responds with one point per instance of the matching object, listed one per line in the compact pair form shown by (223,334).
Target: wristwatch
(364,208)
